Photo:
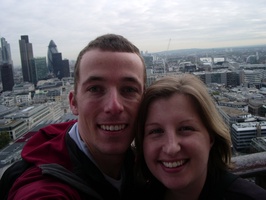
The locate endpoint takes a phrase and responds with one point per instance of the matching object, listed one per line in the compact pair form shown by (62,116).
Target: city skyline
(151,25)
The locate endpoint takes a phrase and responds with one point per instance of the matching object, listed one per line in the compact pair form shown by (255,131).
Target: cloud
(147,23)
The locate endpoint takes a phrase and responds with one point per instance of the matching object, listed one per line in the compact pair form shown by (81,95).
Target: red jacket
(52,145)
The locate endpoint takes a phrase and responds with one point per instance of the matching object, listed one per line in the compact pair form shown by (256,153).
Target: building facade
(52,48)
(40,69)
(243,133)
(5,56)
(15,128)
(7,76)
(26,55)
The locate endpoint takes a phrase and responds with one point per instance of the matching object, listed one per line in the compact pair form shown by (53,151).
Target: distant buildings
(23,88)
(225,77)
(35,69)
(56,65)
(36,114)
(27,106)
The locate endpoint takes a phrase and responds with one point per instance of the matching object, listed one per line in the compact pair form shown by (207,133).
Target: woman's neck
(174,195)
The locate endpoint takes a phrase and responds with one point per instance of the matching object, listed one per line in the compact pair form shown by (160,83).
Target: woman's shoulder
(244,190)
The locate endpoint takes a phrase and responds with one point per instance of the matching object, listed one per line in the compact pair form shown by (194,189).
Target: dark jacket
(226,186)
(61,171)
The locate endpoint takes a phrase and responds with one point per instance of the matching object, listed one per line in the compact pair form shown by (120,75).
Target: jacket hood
(48,145)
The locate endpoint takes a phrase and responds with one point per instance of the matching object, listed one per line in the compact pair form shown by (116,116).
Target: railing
(251,166)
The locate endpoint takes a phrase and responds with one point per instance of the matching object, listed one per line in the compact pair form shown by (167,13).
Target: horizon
(149,24)
(169,51)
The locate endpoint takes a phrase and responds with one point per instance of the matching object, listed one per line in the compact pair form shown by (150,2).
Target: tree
(4,139)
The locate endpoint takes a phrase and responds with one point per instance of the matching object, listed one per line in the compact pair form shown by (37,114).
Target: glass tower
(5,52)
(52,49)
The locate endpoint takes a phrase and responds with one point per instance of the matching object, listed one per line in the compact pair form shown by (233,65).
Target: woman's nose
(171,145)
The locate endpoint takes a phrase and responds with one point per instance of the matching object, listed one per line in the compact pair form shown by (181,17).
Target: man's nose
(114,102)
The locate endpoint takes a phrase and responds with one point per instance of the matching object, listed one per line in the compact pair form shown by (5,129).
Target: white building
(15,128)
(243,133)
(23,98)
(35,114)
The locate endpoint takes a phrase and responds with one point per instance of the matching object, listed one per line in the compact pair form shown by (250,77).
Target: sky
(152,25)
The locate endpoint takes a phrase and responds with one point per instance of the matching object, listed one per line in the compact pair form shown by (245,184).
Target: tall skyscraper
(57,63)
(65,68)
(1,57)
(52,49)
(6,66)
(5,56)
(26,55)
(7,76)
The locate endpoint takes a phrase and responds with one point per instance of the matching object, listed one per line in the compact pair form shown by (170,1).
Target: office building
(61,67)
(52,48)
(7,76)
(243,133)
(23,88)
(258,144)
(65,69)
(57,66)
(26,55)
(5,56)
(40,69)
(6,60)
(36,114)
(14,128)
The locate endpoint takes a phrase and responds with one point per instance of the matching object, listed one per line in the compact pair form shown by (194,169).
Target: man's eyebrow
(130,79)
(92,79)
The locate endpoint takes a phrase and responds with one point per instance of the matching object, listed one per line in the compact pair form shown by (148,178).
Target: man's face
(108,95)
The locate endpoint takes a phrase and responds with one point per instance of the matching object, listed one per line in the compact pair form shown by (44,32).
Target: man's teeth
(174,164)
(113,127)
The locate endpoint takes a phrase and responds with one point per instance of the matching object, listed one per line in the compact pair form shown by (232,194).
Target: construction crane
(164,60)
(168,45)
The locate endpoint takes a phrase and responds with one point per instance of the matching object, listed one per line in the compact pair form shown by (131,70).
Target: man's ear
(73,103)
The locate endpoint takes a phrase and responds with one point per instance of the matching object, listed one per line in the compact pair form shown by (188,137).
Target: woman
(183,145)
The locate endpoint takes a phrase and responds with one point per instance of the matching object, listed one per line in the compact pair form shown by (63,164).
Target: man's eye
(129,89)
(95,89)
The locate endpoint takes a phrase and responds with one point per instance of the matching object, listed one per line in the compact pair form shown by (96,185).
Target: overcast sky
(149,24)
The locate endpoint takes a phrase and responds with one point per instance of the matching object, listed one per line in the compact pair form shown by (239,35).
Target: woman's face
(176,143)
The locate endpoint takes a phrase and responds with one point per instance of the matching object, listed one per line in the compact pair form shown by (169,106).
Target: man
(90,158)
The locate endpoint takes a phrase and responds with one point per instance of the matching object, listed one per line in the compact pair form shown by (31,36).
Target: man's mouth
(113,127)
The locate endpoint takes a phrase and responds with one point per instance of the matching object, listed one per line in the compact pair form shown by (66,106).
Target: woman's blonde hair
(188,84)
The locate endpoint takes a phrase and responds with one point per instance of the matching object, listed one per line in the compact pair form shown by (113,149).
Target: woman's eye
(186,128)
(155,131)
